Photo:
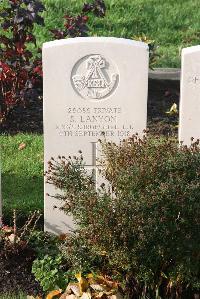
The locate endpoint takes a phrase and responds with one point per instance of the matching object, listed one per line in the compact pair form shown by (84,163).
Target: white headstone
(92,87)
(189,124)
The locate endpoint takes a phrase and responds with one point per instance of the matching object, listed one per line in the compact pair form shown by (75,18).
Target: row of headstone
(95,87)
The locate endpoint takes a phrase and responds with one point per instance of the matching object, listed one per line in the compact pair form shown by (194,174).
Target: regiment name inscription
(96,122)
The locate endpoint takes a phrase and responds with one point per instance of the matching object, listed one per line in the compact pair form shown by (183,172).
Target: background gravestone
(92,87)
(189,124)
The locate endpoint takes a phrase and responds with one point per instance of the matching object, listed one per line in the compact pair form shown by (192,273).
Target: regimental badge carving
(93,77)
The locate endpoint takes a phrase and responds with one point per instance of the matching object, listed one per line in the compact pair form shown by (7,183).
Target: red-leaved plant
(20,73)
(76,26)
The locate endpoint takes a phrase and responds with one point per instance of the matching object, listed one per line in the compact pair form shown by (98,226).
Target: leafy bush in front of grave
(49,272)
(23,249)
(157,185)
(20,73)
(145,232)
(50,268)
(76,25)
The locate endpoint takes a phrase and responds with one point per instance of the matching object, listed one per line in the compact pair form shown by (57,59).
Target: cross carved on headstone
(93,166)
(195,79)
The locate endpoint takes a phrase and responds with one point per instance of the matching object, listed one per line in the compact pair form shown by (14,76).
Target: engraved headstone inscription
(189,124)
(93,87)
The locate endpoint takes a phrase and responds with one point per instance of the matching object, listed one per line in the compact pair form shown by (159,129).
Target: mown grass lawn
(22,173)
(172,24)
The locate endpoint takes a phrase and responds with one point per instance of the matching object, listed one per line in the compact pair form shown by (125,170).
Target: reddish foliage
(19,73)
(76,26)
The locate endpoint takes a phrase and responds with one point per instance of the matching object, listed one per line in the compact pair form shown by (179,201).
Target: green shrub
(146,231)
(50,267)
(49,272)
